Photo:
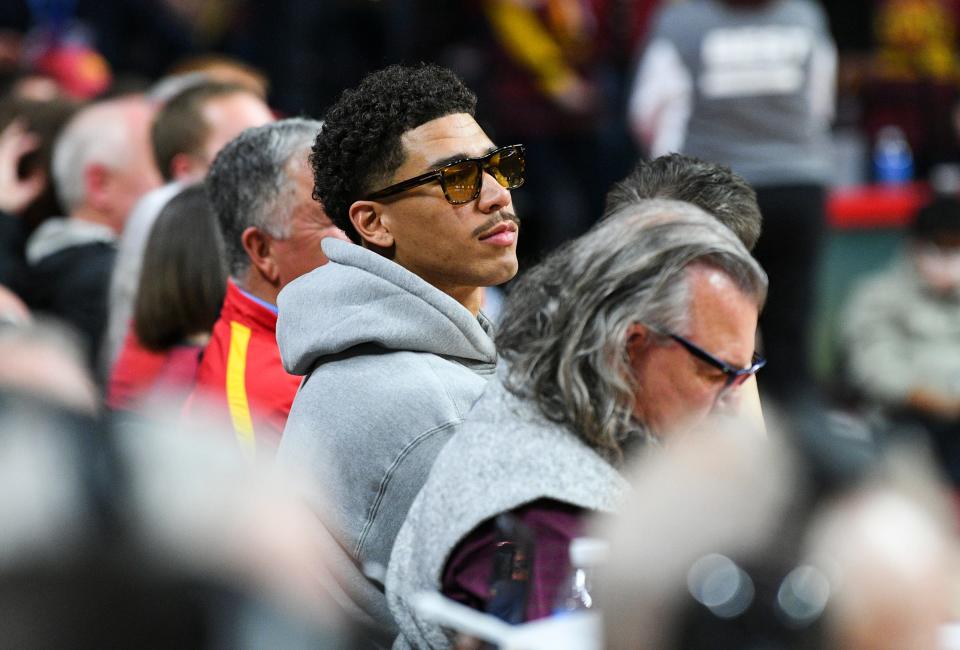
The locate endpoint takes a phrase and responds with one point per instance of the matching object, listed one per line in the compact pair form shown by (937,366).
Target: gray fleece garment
(392,366)
(55,235)
(507,454)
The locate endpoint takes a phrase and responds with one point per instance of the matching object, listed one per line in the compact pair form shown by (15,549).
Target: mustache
(502,215)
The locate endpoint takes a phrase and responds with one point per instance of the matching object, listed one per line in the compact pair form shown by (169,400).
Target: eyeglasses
(734,376)
(461,180)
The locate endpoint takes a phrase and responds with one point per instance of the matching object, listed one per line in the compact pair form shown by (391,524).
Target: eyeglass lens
(462,181)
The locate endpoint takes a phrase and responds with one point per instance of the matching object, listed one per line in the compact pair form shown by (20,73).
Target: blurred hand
(17,193)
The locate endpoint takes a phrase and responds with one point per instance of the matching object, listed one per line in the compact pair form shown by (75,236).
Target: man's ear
(183,166)
(638,337)
(258,245)
(96,182)
(367,218)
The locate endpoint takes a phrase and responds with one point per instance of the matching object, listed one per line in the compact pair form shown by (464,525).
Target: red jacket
(140,375)
(241,372)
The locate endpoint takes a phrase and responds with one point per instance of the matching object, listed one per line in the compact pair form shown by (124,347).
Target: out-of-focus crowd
(305,342)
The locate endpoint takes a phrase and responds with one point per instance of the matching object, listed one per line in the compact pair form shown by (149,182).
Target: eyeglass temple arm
(402,186)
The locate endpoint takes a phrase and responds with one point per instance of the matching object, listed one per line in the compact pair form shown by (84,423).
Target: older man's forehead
(723,317)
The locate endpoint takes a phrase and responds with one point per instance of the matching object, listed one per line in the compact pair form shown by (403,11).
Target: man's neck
(469,297)
(88,214)
(256,285)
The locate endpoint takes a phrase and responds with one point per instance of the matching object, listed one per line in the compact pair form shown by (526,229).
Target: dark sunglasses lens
(461,181)
(507,167)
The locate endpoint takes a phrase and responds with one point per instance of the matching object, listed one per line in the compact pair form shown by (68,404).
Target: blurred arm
(661,99)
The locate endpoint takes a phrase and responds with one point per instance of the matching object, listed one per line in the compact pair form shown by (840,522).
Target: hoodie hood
(362,298)
(55,235)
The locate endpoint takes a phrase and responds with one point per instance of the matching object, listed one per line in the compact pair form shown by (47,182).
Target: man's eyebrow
(457,157)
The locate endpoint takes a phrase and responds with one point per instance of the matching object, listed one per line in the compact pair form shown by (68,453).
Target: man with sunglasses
(633,333)
(389,334)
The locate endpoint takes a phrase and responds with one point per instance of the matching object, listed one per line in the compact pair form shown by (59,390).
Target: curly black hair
(359,147)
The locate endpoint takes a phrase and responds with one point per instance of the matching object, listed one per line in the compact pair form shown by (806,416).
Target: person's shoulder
(84,265)
(888,286)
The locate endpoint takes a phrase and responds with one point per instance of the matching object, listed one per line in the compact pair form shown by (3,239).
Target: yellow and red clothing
(241,371)
(141,376)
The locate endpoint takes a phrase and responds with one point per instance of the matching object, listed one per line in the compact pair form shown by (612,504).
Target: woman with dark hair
(182,286)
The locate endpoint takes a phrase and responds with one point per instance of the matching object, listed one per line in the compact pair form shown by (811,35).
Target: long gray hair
(564,329)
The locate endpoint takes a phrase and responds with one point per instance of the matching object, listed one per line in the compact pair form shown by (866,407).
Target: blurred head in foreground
(722,547)
(161,539)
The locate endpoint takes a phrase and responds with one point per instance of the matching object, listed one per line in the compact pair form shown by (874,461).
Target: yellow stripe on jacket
(237,387)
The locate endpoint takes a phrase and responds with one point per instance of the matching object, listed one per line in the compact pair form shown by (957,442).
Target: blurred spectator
(156,540)
(261,191)
(226,70)
(45,360)
(892,562)
(12,309)
(750,84)
(603,347)
(101,167)
(709,504)
(43,119)
(28,129)
(721,546)
(181,290)
(188,131)
(17,193)
(901,333)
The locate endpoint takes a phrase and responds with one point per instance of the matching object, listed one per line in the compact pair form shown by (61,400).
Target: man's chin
(504,274)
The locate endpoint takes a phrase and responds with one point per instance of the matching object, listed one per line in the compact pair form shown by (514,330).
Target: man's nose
(493,195)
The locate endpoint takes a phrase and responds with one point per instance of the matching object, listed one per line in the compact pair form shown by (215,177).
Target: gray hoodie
(392,366)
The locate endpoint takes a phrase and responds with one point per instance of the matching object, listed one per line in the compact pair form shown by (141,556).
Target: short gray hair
(249,183)
(564,329)
(709,186)
(98,133)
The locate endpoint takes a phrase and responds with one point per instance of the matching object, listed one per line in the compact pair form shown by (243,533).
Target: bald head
(102,161)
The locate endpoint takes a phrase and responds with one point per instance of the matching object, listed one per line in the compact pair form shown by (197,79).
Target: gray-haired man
(640,328)
(260,188)
(715,189)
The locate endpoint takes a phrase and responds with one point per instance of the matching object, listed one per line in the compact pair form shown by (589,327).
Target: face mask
(939,268)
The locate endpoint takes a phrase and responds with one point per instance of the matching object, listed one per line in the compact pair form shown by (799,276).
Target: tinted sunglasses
(461,180)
